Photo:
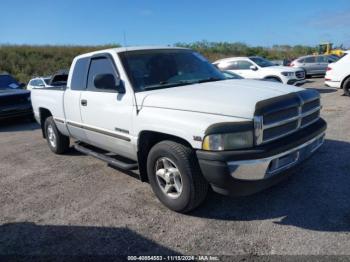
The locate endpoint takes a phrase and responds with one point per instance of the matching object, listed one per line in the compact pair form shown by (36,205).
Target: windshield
(164,68)
(261,61)
(8,82)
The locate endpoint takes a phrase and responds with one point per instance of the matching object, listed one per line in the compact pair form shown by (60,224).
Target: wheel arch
(275,77)
(146,140)
(343,81)
(44,113)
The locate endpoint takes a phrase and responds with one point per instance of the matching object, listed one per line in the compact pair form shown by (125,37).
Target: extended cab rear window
(79,74)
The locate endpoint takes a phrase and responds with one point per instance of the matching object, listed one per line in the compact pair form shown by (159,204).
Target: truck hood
(13,92)
(236,98)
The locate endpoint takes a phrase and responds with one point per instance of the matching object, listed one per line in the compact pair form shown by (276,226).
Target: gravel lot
(75,204)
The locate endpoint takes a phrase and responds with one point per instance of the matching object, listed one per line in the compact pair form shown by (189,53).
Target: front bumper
(16,111)
(246,172)
(335,84)
(296,82)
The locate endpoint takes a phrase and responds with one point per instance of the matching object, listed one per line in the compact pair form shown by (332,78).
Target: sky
(157,22)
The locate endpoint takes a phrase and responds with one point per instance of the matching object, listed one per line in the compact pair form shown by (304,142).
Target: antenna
(124,34)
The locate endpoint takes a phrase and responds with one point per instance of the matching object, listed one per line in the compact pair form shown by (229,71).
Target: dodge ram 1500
(173,116)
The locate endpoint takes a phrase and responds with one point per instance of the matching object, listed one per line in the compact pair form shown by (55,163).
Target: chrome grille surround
(289,113)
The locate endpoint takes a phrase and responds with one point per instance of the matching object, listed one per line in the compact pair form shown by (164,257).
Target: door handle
(83,102)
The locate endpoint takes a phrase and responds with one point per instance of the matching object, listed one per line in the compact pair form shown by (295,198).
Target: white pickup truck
(174,117)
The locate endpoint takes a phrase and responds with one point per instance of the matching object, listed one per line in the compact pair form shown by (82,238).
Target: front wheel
(175,176)
(58,143)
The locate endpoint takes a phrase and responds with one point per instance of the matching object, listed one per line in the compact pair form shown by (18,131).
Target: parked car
(231,75)
(314,64)
(14,101)
(282,62)
(338,74)
(176,118)
(39,82)
(255,67)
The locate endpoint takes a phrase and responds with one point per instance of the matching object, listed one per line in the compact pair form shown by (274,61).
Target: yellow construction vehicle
(327,49)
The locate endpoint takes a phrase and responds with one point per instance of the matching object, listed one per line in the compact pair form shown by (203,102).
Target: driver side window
(99,66)
(244,65)
(231,66)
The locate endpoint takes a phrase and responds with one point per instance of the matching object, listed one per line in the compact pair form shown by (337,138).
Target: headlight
(229,141)
(288,73)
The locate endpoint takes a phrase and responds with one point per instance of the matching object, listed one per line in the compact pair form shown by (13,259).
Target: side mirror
(253,67)
(108,82)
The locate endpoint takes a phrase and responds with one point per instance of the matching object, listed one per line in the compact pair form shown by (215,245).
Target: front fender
(187,125)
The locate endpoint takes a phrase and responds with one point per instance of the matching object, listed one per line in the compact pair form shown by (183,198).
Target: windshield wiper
(210,79)
(165,84)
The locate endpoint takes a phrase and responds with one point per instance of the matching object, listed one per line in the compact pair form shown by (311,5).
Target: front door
(322,64)
(310,65)
(244,70)
(106,114)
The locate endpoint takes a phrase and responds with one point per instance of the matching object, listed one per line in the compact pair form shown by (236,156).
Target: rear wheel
(346,87)
(58,143)
(175,176)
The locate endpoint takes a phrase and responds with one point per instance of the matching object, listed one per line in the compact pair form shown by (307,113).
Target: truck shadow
(18,124)
(315,197)
(324,90)
(27,239)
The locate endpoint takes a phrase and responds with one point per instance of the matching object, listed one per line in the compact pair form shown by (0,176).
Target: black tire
(194,186)
(61,142)
(346,87)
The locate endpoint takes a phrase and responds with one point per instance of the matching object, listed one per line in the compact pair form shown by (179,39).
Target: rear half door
(72,99)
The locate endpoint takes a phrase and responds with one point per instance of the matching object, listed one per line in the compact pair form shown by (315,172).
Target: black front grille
(281,116)
(277,131)
(310,105)
(13,100)
(310,118)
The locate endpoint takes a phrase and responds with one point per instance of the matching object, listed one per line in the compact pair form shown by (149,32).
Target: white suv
(338,74)
(38,82)
(255,67)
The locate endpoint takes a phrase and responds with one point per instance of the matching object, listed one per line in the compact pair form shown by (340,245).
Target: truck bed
(51,98)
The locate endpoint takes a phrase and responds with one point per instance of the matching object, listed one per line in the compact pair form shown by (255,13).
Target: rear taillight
(291,64)
(329,68)
(328,79)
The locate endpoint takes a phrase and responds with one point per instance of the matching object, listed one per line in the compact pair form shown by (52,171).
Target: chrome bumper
(259,169)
